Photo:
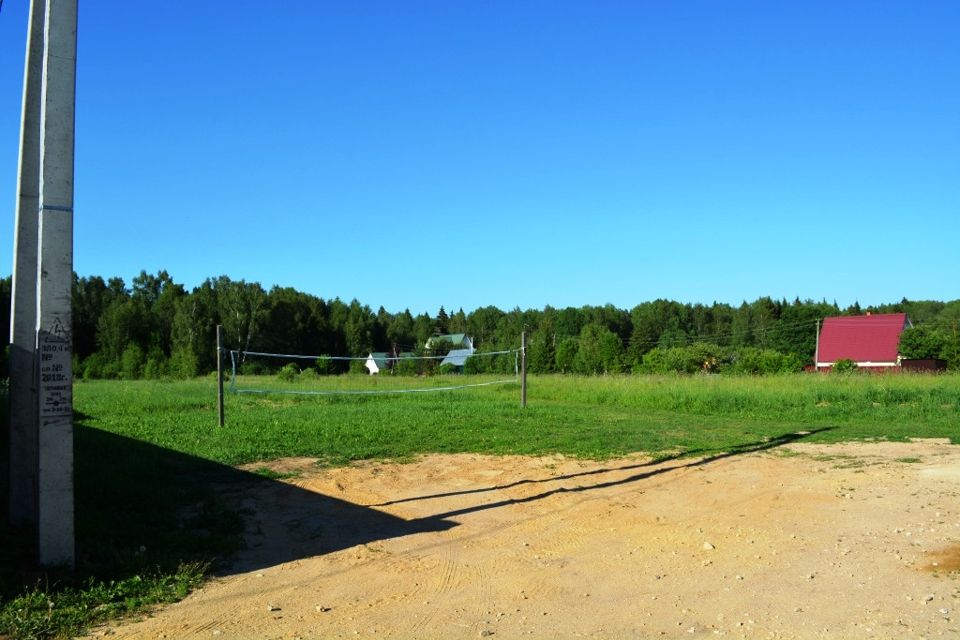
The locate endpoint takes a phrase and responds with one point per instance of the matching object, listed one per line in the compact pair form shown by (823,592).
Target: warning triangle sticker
(58,332)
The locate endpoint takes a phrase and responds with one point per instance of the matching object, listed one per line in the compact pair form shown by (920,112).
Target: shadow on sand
(140,505)
(655,467)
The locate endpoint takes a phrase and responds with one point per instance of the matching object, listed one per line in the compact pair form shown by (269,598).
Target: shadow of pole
(142,507)
(752,447)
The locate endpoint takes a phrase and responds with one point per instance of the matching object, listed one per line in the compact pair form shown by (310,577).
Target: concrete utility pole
(51,371)
(816,349)
(23,313)
(55,516)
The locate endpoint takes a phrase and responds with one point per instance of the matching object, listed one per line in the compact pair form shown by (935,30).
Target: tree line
(156,328)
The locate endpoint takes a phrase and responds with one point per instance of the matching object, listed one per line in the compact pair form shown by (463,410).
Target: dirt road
(801,541)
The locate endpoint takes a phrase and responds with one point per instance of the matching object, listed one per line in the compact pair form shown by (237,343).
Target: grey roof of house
(457,357)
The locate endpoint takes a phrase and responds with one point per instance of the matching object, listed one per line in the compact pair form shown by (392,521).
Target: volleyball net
(390,373)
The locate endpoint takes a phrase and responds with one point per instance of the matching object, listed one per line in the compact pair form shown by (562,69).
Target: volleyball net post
(523,370)
(220,417)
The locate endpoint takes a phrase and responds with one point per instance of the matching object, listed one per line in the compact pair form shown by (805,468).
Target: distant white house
(456,340)
(383,361)
(457,357)
(462,348)
(377,362)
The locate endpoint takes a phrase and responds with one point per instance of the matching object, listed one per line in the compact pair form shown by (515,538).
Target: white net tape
(236,356)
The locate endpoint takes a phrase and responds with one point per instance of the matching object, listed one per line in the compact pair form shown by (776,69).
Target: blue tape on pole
(53,207)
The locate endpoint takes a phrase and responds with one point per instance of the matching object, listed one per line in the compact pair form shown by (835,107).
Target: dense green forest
(155,328)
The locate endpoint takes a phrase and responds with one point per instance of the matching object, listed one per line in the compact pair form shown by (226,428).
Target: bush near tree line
(924,342)
(844,366)
(157,329)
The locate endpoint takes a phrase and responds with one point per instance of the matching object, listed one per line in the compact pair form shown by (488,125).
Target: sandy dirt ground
(800,541)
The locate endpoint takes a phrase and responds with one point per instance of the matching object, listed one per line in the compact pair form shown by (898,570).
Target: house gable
(456,340)
(377,362)
(870,340)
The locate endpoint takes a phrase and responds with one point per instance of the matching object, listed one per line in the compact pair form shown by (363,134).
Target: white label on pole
(56,390)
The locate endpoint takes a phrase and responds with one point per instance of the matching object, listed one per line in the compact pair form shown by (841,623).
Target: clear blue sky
(419,154)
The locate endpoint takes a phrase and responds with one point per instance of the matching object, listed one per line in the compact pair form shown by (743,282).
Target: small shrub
(756,361)
(844,365)
(183,363)
(475,365)
(92,367)
(153,370)
(698,357)
(406,367)
(156,365)
(253,368)
(359,367)
(566,354)
(541,354)
(288,373)
(600,351)
(131,362)
(324,366)
(446,369)
(922,342)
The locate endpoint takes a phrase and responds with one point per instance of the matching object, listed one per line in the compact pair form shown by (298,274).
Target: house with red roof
(872,341)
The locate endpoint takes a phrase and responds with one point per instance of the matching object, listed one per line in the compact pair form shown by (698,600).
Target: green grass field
(150,458)
(579,416)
